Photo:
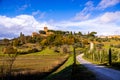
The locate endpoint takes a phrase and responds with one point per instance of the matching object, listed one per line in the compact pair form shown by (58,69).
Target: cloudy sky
(27,16)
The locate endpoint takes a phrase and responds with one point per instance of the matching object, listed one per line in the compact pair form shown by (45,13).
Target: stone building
(34,34)
(46,30)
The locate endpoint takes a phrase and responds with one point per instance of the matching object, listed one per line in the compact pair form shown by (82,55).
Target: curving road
(101,72)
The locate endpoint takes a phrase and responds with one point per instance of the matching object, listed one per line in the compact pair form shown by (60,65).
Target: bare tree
(9,56)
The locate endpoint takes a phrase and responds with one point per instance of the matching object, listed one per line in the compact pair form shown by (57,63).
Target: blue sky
(27,16)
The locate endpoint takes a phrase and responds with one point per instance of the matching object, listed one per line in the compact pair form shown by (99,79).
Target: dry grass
(38,63)
(1,47)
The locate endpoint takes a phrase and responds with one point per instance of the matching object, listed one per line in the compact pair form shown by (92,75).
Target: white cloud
(104,24)
(22,23)
(23,7)
(107,3)
(90,7)
(39,14)
(36,13)
(108,23)
(110,17)
(83,15)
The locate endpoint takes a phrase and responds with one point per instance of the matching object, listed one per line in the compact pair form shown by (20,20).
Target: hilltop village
(45,32)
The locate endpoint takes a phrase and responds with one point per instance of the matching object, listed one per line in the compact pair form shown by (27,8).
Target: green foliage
(100,54)
(56,49)
(99,45)
(65,49)
(85,42)
(47,51)
(50,39)
(58,32)
(9,50)
(42,32)
(33,50)
(22,39)
(92,34)
(103,39)
(16,42)
(44,42)
(58,40)
(30,39)
(116,46)
(79,33)
(6,41)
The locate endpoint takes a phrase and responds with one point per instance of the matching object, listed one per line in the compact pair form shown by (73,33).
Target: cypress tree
(110,56)
(74,56)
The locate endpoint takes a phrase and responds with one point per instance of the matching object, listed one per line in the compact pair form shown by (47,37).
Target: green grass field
(42,62)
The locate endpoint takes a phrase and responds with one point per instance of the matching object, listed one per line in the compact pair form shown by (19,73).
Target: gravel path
(101,72)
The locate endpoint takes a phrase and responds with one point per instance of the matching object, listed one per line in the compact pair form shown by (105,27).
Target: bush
(111,45)
(23,52)
(117,46)
(100,45)
(56,49)
(33,50)
(65,49)
(9,50)
(29,51)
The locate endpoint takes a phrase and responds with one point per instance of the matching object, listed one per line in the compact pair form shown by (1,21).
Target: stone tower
(46,29)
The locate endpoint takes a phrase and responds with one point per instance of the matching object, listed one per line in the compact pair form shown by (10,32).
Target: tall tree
(42,32)
(22,38)
(16,42)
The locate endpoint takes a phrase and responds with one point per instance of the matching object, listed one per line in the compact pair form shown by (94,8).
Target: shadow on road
(73,72)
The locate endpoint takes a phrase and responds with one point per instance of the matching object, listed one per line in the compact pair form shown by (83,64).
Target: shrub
(23,52)
(100,45)
(65,49)
(33,50)
(9,50)
(117,46)
(56,49)
(29,51)
(111,45)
